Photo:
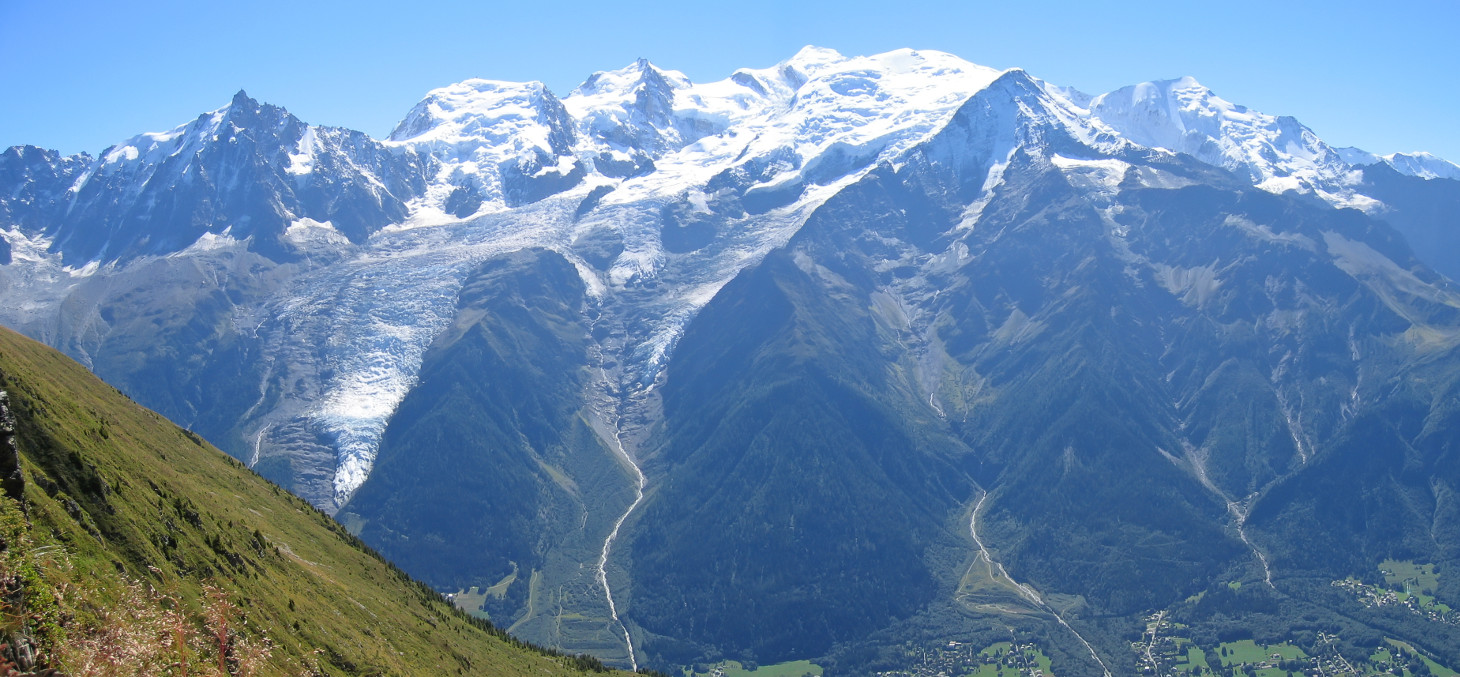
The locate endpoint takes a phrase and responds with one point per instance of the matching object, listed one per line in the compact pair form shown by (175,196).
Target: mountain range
(824,361)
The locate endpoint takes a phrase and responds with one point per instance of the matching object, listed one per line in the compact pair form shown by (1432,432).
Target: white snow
(307,232)
(1423,165)
(121,154)
(603,103)
(481,118)
(1357,156)
(84,271)
(1419,164)
(475,127)
(1101,175)
(151,147)
(302,160)
(1277,153)
(208,242)
(800,110)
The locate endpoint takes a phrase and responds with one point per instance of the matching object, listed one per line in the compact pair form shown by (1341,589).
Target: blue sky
(82,74)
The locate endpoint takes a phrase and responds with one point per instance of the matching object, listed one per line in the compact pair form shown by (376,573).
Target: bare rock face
(11,481)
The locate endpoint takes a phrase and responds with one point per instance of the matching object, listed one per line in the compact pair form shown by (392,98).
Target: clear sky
(82,74)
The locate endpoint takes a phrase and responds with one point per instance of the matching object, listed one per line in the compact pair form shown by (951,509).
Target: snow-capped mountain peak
(496,143)
(1357,157)
(241,113)
(1423,165)
(1164,113)
(631,111)
(1182,115)
(475,112)
(629,80)
(811,60)
(1418,164)
(811,119)
(149,147)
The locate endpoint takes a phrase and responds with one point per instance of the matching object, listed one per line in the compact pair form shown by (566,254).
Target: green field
(470,600)
(1422,577)
(1435,668)
(787,669)
(1004,668)
(986,588)
(1195,658)
(1248,651)
(994,671)
(1407,580)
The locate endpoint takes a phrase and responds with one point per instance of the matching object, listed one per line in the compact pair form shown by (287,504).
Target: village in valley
(1406,585)
(1163,651)
(1165,648)
(957,659)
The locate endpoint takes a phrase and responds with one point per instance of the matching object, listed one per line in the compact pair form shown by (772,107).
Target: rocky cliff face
(12,482)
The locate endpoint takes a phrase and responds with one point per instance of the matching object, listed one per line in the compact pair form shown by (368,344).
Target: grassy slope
(157,504)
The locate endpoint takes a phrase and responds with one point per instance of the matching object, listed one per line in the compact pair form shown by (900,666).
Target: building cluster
(957,659)
(1375,596)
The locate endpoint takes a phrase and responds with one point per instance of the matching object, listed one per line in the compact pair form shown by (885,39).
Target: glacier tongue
(345,342)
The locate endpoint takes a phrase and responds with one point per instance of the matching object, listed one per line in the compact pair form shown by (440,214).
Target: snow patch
(1102,176)
(1368,265)
(1265,233)
(301,161)
(307,232)
(208,242)
(974,211)
(1194,286)
(84,271)
(121,154)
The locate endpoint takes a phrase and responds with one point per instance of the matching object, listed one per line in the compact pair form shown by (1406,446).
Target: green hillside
(144,550)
